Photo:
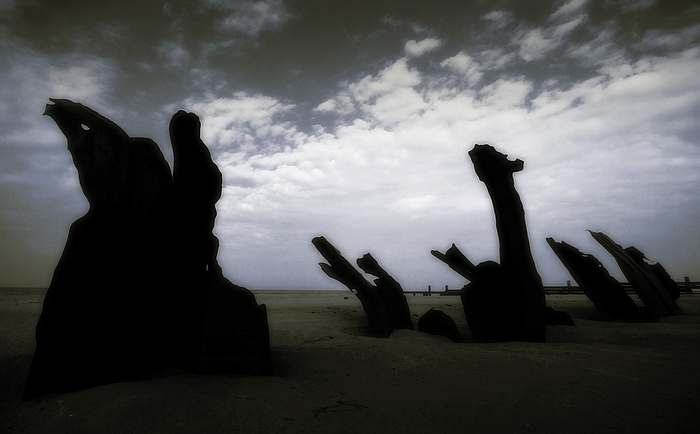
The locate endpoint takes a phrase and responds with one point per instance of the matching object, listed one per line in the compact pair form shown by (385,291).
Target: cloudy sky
(352,119)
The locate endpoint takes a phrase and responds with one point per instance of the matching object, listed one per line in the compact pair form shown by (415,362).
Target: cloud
(608,134)
(327,106)
(274,200)
(417,49)
(251,18)
(395,76)
(635,5)
(38,184)
(249,123)
(463,64)
(387,97)
(534,45)
(569,8)
(498,19)
(495,58)
(397,106)
(600,51)
(390,96)
(505,94)
(402,159)
(678,40)
(174,55)
(342,104)
(415,203)
(36,77)
(537,43)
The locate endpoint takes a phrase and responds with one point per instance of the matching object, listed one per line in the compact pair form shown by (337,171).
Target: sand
(331,378)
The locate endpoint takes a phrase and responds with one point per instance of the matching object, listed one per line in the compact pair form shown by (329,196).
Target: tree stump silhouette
(138,287)
(504,301)
(384,302)
(643,279)
(606,293)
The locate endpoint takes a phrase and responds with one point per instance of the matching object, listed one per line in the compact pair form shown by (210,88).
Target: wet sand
(330,377)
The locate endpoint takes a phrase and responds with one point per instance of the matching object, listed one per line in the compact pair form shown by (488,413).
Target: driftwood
(456,260)
(384,304)
(606,293)
(505,301)
(657,270)
(390,292)
(437,322)
(138,287)
(643,280)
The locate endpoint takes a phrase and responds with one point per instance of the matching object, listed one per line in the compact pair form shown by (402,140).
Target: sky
(352,120)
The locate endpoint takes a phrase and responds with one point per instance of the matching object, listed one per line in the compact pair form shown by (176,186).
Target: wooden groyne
(686,287)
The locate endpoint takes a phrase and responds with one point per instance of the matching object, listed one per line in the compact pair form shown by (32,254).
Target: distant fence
(686,287)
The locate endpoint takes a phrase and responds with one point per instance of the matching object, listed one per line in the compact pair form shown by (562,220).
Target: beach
(604,377)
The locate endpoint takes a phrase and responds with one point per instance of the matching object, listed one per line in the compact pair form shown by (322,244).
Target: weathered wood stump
(643,280)
(138,285)
(390,292)
(655,269)
(384,304)
(606,293)
(504,301)
(437,322)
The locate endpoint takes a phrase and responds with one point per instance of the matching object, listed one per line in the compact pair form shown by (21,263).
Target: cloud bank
(356,126)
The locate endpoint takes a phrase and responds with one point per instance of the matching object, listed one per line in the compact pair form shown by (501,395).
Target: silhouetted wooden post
(512,288)
(504,301)
(643,280)
(384,304)
(390,292)
(138,287)
(606,293)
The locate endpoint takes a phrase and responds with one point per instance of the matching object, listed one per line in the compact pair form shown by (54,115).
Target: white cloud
(600,51)
(243,121)
(396,106)
(613,152)
(415,203)
(562,30)
(678,40)
(463,64)
(635,5)
(662,80)
(597,155)
(536,43)
(387,98)
(495,58)
(569,8)
(37,77)
(417,49)
(327,106)
(506,94)
(341,104)
(498,19)
(174,55)
(38,182)
(395,76)
(251,17)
